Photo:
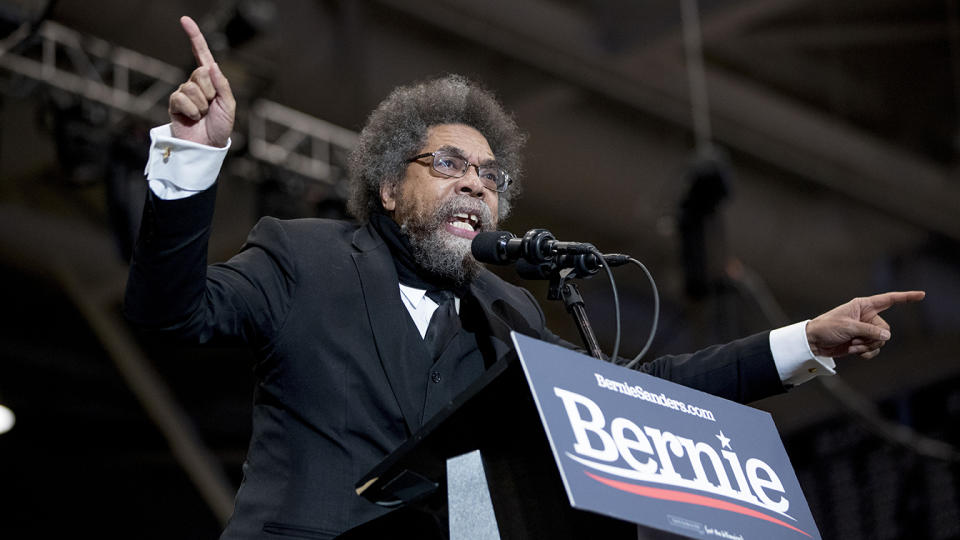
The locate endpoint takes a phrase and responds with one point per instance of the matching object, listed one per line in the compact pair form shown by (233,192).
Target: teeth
(471,221)
(462,225)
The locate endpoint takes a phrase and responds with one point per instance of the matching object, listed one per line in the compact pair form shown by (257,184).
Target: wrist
(810,332)
(193,134)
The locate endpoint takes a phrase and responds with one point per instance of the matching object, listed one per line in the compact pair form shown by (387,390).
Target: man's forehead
(460,138)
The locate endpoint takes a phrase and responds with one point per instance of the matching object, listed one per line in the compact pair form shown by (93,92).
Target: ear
(388,197)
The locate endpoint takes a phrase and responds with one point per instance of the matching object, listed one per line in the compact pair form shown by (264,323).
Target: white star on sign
(724,441)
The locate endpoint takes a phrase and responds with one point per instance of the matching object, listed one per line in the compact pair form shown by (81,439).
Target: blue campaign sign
(649,451)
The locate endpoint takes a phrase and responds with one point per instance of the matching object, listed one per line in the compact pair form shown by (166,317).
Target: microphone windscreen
(486,247)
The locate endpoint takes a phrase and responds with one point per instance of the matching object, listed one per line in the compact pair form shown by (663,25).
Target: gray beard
(440,253)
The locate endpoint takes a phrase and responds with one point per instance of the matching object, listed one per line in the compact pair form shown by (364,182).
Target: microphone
(537,246)
(581,266)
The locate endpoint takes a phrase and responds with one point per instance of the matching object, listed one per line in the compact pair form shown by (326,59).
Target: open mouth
(465,224)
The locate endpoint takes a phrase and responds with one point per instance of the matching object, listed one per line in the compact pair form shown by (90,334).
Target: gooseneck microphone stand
(560,288)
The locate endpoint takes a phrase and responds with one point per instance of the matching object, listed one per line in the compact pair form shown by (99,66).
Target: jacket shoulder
(508,300)
(305,232)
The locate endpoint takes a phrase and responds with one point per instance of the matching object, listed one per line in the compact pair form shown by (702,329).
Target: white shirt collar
(413,295)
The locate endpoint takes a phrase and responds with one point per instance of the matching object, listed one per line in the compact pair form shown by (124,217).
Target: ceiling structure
(836,127)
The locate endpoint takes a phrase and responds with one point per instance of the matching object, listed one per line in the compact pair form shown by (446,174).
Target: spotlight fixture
(7,419)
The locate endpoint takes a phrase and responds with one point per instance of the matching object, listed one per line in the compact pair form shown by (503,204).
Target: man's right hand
(203,108)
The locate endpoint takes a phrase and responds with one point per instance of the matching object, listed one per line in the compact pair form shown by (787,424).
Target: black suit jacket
(318,302)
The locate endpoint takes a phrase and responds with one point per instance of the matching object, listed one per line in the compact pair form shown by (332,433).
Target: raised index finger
(197,42)
(881,302)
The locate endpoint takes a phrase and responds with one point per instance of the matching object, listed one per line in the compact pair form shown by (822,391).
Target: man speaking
(363,331)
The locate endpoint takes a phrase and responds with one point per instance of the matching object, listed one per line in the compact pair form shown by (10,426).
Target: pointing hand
(202,109)
(856,327)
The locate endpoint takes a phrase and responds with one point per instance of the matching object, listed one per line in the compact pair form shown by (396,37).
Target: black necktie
(443,324)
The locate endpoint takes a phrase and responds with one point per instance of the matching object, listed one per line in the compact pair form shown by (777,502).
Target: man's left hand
(856,327)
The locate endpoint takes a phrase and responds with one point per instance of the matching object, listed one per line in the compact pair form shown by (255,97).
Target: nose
(469,184)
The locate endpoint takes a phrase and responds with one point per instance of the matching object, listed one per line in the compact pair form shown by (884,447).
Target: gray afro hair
(397,129)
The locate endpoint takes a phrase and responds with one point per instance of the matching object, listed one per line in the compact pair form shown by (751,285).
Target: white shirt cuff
(177,169)
(795,362)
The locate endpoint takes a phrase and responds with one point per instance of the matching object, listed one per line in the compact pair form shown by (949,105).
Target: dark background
(836,173)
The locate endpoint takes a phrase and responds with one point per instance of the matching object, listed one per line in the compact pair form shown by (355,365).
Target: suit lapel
(501,317)
(394,342)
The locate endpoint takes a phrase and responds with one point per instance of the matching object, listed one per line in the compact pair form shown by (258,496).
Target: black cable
(616,303)
(656,314)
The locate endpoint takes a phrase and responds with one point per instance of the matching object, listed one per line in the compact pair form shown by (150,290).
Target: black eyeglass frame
(433,165)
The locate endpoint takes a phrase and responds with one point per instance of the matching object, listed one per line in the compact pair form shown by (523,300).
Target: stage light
(7,419)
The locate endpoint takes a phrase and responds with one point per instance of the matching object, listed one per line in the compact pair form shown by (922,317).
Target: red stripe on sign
(689,498)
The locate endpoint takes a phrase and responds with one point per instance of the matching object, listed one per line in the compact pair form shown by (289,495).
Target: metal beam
(137,85)
(80,75)
(841,35)
(717,23)
(298,142)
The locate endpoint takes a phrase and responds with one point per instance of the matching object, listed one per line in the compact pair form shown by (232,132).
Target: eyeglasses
(455,166)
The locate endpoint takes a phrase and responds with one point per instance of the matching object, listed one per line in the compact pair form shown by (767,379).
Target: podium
(571,447)
(497,416)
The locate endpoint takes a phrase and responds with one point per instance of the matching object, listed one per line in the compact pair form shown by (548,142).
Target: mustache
(465,204)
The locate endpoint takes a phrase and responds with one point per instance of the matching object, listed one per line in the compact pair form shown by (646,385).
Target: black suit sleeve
(741,371)
(172,290)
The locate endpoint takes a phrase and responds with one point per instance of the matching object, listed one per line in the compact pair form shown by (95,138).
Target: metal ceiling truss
(134,84)
(122,79)
(299,142)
